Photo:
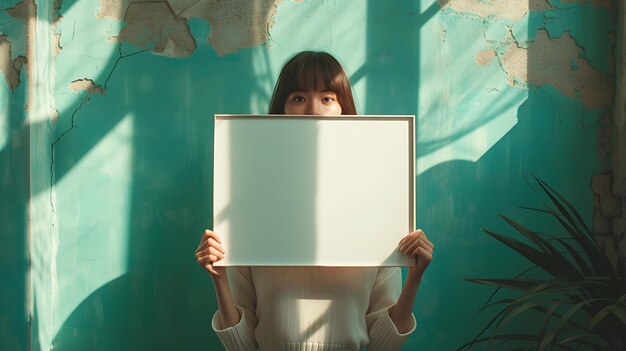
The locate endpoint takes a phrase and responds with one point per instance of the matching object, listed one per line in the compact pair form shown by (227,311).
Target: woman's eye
(297,98)
(328,99)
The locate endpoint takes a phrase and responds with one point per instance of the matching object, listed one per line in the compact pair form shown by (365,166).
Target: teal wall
(14,148)
(112,181)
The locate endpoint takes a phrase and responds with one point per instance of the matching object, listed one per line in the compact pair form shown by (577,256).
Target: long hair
(311,70)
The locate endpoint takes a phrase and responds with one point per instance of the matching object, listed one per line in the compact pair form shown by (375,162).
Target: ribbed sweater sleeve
(382,331)
(239,337)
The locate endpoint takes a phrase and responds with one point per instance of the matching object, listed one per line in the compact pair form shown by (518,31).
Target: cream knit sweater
(313,309)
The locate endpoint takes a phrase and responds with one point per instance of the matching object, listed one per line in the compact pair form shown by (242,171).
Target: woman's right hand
(210,251)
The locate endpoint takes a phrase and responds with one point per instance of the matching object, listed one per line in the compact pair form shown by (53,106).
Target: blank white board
(313,190)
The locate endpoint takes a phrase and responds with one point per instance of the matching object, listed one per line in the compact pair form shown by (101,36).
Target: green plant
(581,300)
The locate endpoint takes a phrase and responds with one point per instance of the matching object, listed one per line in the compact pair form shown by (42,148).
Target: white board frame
(309,246)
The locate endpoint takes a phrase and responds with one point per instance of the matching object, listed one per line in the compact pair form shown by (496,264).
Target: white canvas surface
(313,191)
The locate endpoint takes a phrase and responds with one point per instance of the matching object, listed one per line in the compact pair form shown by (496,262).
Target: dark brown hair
(311,70)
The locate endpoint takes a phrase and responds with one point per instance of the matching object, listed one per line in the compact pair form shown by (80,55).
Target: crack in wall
(537,58)
(557,62)
(89,86)
(161,26)
(609,218)
(546,43)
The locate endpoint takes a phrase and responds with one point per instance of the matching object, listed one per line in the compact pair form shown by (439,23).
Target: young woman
(314,308)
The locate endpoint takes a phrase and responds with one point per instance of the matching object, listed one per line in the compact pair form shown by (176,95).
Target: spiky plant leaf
(580,275)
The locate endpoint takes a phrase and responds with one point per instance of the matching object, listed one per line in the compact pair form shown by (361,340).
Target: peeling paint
(511,9)
(56,38)
(56,44)
(87,85)
(161,25)
(20,10)
(592,28)
(547,67)
(236,24)
(11,68)
(154,26)
(484,57)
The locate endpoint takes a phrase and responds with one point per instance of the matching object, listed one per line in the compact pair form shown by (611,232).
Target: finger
(412,246)
(423,254)
(208,244)
(412,234)
(214,243)
(216,253)
(404,244)
(420,233)
(203,251)
(203,244)
(209,267)
(406,238)
(205,259)
(211,234)
(428,242)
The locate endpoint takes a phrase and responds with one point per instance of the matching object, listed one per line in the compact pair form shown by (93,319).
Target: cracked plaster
(154,26)
(557,62)
(510,9)
(609,218)
(485,56)
(20,10)
(11,68)
(543,58)
(87,85)
(161,26)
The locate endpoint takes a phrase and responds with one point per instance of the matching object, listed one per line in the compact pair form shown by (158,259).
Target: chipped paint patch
(547,67)
(485,56)
(87,85)
(236,24)
(154,26)
(161,25)
(112,9)
(511,9)
(18,11)
(11,68)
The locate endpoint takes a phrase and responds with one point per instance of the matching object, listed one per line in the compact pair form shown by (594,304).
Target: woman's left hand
(416,245)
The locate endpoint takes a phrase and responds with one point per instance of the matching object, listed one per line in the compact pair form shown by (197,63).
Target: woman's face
(312,102)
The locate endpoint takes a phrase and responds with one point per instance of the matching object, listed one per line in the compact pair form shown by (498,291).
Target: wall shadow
(163,300)
(14,187)
(555,138)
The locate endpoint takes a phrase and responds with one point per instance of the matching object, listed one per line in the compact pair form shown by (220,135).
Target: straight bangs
(317,71)
(316,75)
